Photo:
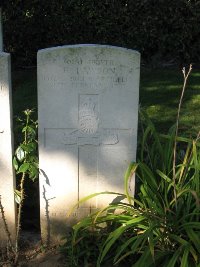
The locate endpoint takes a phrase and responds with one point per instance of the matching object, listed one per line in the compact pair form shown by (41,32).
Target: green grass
(160,91)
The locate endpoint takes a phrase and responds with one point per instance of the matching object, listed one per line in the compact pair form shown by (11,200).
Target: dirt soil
(33,254)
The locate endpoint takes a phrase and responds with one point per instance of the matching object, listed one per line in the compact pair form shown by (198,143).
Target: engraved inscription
(88,117)
(105,62)
(63,214)
(72,61)
(95,72)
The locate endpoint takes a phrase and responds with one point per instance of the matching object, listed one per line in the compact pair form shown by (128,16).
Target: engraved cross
(102,137)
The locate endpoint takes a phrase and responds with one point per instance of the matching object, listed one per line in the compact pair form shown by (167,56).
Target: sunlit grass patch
(159,96)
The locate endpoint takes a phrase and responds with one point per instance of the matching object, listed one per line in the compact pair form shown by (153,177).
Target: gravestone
(88,112)
(7,178)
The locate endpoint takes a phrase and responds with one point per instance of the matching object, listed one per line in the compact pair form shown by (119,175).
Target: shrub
(158,29)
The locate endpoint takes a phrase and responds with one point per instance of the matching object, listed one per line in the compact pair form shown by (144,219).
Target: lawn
(160,91)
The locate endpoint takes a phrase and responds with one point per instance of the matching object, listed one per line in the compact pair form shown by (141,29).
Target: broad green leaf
(33,158)
(111,209)
(15,163)
(24,167)
(20,153)
(33,171)
(184,259)
(29,147)
(83,200)
(113,236)
(164,176)
(29,129)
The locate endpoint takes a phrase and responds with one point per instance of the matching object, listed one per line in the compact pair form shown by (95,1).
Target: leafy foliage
(25,163)
(157,227)
(26,159)
(158,29)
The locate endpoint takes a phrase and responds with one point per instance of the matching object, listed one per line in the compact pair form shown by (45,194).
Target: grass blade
(127,177)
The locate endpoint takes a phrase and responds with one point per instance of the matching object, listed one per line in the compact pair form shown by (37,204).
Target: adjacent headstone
(7,178)
(88,113)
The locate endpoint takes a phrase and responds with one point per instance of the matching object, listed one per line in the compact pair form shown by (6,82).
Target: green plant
(161,225)
(159,29)
(81,253)
(25,162)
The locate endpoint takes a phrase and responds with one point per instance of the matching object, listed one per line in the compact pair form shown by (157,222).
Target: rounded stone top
(88,46)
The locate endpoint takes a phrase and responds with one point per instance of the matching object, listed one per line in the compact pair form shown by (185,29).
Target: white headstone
(7,178)
(88,113)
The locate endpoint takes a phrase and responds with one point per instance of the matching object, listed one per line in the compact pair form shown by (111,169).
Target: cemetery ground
(160,91)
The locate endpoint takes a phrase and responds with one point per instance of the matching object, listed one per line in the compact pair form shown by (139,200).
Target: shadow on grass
(160,92)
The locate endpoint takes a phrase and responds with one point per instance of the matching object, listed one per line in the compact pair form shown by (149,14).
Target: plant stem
(6,226)
(22,196)
(185,75)
(19,215)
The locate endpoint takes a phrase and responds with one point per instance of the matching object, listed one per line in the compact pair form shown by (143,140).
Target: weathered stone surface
(7,178)
(88,112)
